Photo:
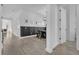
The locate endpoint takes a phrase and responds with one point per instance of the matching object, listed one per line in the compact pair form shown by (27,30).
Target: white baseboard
(78,49)
(1,46)
(49,50)
(27,36)
(55,45)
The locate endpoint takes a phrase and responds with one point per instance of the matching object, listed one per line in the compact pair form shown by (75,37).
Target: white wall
(16,24)
(77,26)
(68,23)
(72,22)
(51,29)
(0,31)
(32,19)
(4,23)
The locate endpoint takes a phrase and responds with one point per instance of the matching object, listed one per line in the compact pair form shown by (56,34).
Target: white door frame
(62,25)
(7,22)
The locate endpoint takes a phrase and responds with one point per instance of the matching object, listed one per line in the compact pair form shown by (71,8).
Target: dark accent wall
(26,31)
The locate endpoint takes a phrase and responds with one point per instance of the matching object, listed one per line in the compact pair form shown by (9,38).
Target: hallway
(35,46)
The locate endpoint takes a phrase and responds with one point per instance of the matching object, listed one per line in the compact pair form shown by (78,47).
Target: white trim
(27,36)
(49,50)
(78,48)
(1,47)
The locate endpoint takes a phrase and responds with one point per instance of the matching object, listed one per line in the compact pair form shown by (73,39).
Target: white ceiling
(27,7)
(35,8)
(38,8)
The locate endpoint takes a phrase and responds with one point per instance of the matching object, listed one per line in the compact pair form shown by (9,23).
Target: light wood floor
(35,46)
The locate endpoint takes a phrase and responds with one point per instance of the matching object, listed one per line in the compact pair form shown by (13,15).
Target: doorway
(6,29)
(62,25)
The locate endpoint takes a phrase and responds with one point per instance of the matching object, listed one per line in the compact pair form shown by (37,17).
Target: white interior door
(63,25)
(6,24)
